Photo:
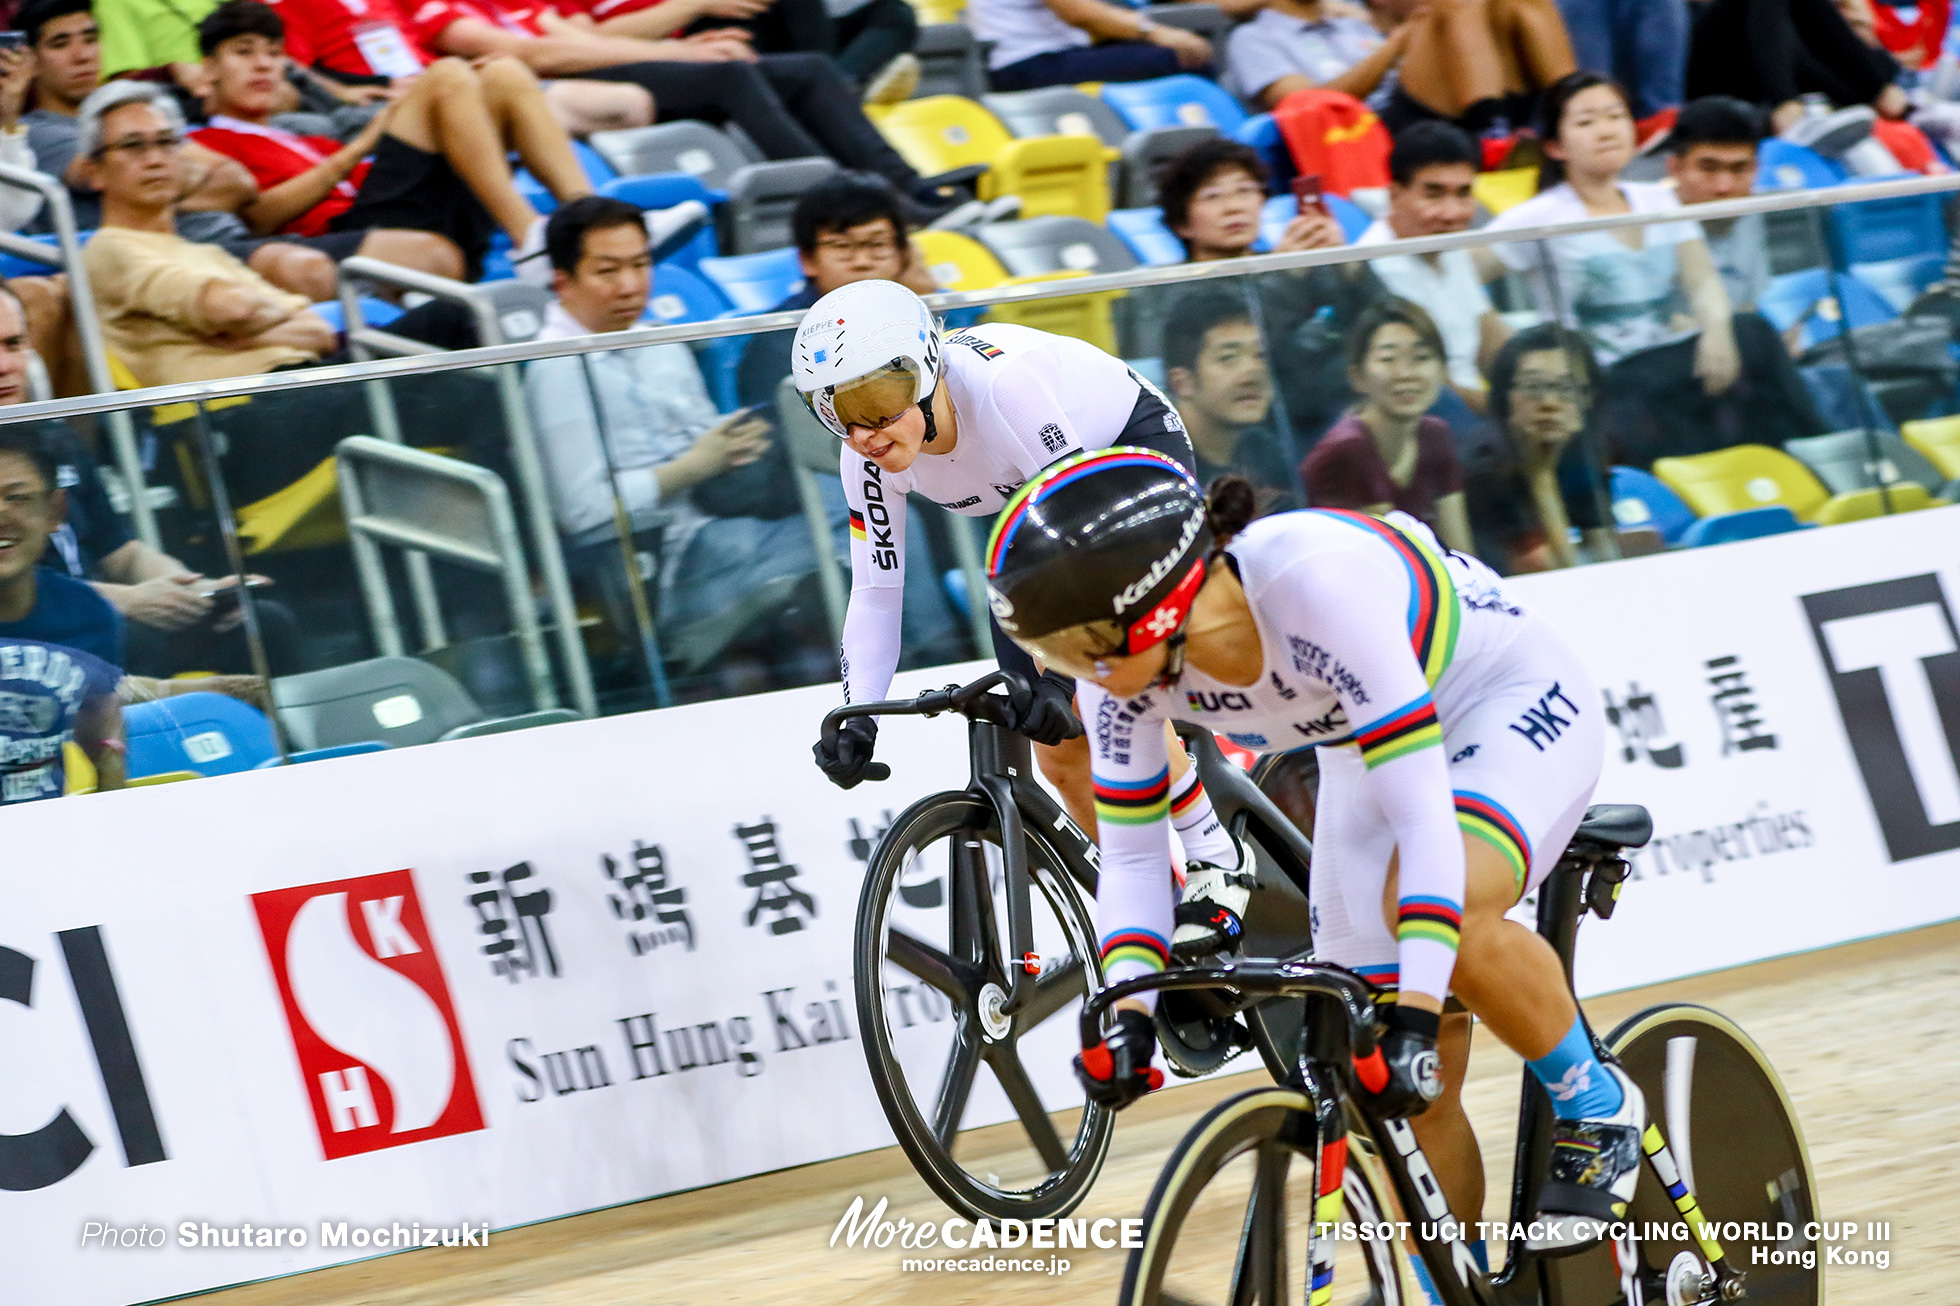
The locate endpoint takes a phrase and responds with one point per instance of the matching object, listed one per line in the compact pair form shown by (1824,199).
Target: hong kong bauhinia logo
(373,1026)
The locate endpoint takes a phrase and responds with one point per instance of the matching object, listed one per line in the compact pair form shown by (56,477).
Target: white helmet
(864,330)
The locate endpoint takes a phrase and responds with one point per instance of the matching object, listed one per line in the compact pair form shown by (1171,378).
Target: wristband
(1414,1020)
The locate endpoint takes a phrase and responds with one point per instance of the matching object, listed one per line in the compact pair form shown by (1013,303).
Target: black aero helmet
(1118,535)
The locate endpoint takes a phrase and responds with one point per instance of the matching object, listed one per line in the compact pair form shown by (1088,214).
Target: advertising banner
(295,1016)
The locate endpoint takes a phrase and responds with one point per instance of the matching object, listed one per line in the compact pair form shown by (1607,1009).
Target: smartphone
(225,598)
(13,40)
(1306,194)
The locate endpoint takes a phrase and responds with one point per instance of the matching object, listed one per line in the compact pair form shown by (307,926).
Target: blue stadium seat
(1640,499)
(1143,230)
(1261,132)
(1902,280)
(211,734)
(1781,165)
(374,312)
(1791,296)
(10,266)
(1749,524)
(681,295)
(663,190)
(755,283)
(597,170)
(1878,230)
(1282,209)
(1184,100)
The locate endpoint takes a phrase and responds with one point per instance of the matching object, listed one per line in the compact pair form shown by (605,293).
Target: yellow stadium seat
(303,515)
(1939,439)
(162,778)
(1086,317)
(940,11)
(1506,189)
(959,262)
(78,773)
(1064,175)
(1757,476)
(1901,496)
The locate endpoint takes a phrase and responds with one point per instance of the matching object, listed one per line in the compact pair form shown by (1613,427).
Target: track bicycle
(1229,1211)
(974,933)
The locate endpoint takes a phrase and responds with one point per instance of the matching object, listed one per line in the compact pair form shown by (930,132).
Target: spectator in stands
(1711,155)
(67,59)
(176,619)
(1532,481)
(36,603)
(1389,453)
(370,51)
(439,183)
(1773,52)
(1431,171)
(1477,62)
(1642,44)
(1676,383)
(1056,42)
(1212,195)
(871,40)
(851,227)
(59,640)
(1215,367)
(848,227)
(793,106)
(170,309)
(17,207)
(660,443)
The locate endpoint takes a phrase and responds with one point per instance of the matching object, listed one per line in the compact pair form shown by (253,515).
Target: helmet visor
(874,400)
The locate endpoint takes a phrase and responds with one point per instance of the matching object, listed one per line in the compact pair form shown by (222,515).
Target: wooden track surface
(1865,1037)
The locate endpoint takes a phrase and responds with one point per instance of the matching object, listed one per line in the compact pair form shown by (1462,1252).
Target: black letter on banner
(115,1050)
(58,1148)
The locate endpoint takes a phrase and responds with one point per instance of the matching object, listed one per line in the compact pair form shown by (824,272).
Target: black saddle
(1613,826)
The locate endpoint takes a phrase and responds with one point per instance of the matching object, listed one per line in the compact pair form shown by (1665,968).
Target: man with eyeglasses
(170,309)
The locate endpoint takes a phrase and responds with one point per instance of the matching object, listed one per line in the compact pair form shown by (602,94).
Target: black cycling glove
(850,764)
(1404,1074)
(1117,1071)
(1050,715)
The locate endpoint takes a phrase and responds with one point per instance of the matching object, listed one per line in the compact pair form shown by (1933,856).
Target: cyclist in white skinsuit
(1459,742)
(964,420)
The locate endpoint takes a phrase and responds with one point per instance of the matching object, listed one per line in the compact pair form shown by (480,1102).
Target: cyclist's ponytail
(1229,507)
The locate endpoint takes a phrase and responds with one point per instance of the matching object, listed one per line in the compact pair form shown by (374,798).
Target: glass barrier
(451,550)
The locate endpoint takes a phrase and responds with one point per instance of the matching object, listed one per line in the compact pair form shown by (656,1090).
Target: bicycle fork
(1687,1285)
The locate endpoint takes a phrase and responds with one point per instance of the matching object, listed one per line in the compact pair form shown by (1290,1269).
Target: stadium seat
(1844,461)
(1640,499)
(303,515)
(755,283)
(937,12)
(1505,189)
(1207,20)
(1089,317)
(1878,230)
(1807,297)
(958,261)
(1183,100)
(1280,210)
(374,312)
(663,190)
(760,200)
(1729,527)
(520,308)
(682,295)
(396,701)
(209,734)
(1144,153)
(950,62)
(1058,111)
(1039,247)
(1938,439)
(1053,175)
(1262,133)
(1900,281)
(695,148)
(1784,165)
(1757,476)
(1143,230)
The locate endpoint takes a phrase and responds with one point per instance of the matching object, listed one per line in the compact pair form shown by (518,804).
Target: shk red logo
(372,1022)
